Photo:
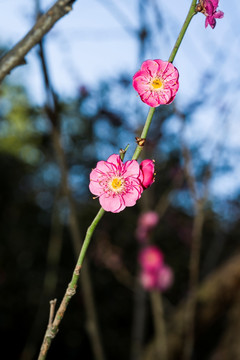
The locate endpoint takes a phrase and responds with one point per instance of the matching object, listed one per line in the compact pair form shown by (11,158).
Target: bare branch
(45,22)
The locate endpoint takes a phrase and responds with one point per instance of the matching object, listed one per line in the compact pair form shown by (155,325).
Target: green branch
(172,56)
(71,290)
(53,327)
(189,17)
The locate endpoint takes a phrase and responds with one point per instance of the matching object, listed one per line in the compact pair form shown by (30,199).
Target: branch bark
(45,22)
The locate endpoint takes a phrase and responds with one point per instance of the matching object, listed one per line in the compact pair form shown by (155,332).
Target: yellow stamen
(116,183)
(157,84)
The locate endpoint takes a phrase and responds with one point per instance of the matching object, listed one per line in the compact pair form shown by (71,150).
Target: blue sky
(93,43)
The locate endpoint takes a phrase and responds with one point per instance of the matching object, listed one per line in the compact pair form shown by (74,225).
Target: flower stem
(144,133)
(71,289)
(88,237)
(190,14)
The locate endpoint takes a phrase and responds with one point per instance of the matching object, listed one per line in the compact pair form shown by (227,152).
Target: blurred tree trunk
(217,297)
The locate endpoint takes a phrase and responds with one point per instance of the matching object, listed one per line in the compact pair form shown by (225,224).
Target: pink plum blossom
(146,222)
(165,278)
(117,185)
(155,274)
(151,258)
(160,280)
(156,82)
(142,234)
(147,170)
(148,280)
(209,8)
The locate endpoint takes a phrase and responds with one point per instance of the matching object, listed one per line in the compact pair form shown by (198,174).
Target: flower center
(157,84)
(116,184)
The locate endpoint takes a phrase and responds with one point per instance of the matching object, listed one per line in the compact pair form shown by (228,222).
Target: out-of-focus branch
(229,346)
(53,115)
(161,351)
(193,281)
(44,23)
(199,215)
(119,16)
(156,299)
(224,284)
(70,291)
(49,283)
(191,181)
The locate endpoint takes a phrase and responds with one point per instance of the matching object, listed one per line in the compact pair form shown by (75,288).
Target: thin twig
(15,56)
(52,311)
(71,289)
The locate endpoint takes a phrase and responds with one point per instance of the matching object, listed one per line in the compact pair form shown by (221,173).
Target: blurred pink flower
(161,279)
(147,170)
(142,234)
(117,184)
(156,82)
(154,273)
(146,222)
(165,278)
(151,258)
(148,280)
(209,8)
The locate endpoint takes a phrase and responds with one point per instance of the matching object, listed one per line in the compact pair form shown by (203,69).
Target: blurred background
(73,104)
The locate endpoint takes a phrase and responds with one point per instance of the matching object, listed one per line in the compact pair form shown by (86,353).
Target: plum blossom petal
(215,3)
(210,21)
(209,9)
(131,168)
(156,82)
(150,67)
(219,14)
(115,205)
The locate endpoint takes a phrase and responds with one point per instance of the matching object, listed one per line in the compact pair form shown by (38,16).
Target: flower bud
(147,170)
